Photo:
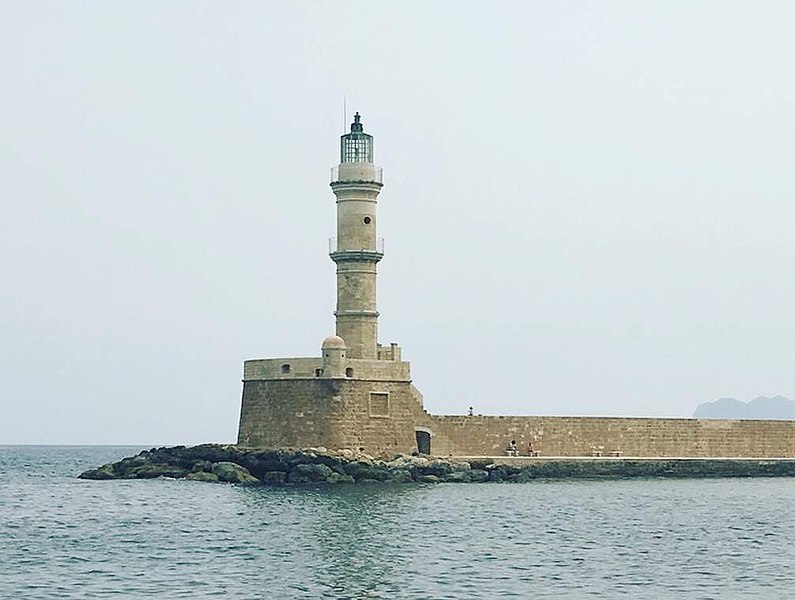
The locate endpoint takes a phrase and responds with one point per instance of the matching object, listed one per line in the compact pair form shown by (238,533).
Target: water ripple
(66,538)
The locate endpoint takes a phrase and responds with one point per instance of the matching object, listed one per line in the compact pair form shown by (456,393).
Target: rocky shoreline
(233,464)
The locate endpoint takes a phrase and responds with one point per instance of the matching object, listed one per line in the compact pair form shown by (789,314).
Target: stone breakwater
(234,464)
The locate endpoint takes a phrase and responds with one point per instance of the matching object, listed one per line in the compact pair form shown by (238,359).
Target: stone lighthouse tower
(357,249)
(358,393)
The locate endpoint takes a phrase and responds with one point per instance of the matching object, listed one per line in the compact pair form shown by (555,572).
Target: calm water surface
(61,537)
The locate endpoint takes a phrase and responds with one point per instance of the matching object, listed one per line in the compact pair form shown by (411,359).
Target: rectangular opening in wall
(379,404)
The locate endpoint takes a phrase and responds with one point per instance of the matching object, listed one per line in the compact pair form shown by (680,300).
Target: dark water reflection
(61,537)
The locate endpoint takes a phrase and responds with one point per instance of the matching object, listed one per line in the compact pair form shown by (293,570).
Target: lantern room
(356,146)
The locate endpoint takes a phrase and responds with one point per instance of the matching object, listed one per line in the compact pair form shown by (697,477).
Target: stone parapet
(314,367)
(383,370)
(281,368)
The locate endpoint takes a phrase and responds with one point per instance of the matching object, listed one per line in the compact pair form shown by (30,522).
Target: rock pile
(227,463)
(232,464)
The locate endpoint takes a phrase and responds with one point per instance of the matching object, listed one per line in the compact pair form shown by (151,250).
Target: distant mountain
(777,407)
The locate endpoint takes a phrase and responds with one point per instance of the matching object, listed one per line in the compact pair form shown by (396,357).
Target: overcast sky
(588,206)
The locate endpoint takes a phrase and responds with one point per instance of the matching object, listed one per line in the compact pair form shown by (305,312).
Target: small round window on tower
(366,220)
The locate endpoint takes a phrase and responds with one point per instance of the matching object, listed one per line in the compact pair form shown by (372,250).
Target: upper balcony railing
(377,177)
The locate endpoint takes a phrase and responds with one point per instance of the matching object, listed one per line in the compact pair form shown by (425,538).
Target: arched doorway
(423,441)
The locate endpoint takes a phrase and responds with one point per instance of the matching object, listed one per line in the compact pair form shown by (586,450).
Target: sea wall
(606,436)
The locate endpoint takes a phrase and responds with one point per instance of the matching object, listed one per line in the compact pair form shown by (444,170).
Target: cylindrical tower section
(356,183)
(333,351)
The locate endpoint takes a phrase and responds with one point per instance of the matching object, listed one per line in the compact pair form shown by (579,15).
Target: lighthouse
(357,249)
(357,394)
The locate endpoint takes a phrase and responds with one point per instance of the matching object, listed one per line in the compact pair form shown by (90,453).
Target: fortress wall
(378,416)
(581,436)
(290,413)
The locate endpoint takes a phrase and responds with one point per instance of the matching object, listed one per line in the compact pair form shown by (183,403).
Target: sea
(63,537)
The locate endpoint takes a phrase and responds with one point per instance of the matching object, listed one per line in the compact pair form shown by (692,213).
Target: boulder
(233,473)
(151,471)
(366,470)
(400,476)
(202,465)
(478,476)
(202,476)
(339,478)
(482,465)
(439,467)
(523,476)
(428,479)
(274,477)
(259,463)
(333,462)
(501,472)
(457,477)
(128,464)
(101,473)
(405,461)
(306,473)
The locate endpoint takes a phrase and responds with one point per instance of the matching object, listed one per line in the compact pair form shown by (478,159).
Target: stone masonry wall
(382,417)
(361,421)
(333,413)
(286,413)
(586,436)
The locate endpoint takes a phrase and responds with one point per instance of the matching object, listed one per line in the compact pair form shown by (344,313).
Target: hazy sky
(588,206)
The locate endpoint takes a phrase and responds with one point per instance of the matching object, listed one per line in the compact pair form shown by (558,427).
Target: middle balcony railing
(352,251)
(334,247)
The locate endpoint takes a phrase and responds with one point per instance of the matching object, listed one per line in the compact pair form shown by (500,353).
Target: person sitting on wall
(530,449)
(513,450)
